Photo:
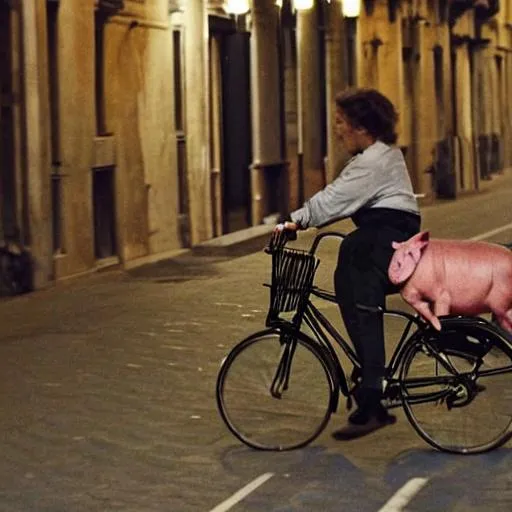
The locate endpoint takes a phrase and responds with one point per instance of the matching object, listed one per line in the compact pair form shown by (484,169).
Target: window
(99,34)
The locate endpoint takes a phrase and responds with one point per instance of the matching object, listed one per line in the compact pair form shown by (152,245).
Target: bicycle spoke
(274,393)
(459,402)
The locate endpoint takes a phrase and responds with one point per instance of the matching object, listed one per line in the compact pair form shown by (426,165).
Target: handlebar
(320,236)
(280,238)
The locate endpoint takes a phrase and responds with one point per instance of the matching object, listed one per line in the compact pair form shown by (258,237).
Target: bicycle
(277,388)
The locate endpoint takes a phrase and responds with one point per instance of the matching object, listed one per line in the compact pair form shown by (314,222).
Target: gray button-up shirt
(375,178)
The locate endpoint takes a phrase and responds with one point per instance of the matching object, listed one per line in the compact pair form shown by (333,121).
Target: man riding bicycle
(375,191)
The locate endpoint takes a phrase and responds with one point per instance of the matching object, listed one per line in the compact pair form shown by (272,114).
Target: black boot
(369,416)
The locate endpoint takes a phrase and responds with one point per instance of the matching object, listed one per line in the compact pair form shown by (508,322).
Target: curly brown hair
(369,109)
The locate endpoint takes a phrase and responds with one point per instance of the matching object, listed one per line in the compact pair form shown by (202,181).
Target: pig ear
(420,240)
(395,245)
(424,239)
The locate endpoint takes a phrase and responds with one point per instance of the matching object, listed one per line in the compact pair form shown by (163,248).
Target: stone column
(423,114)
(76,131)
(447,79)
(479,117)
(37,137)
(464,121)
(497,108)
(197,119)
(336,80)
(309,101)
(504,119)
(291,121)
(508,107)
(366,45)
(389,61)
(265,93)
(267,166)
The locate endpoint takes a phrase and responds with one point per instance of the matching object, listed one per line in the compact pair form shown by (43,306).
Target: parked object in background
(454,277)
(16,269)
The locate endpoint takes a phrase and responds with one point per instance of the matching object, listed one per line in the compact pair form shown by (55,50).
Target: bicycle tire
(473,410)
(244,397)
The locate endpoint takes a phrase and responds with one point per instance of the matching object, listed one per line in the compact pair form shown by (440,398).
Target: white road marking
(229,304)
(404,495)
(493,232)
(242,493)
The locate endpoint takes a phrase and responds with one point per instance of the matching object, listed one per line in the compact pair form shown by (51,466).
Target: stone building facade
(131,129)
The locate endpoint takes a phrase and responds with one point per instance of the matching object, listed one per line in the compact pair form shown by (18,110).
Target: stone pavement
(108,381)
(108,384)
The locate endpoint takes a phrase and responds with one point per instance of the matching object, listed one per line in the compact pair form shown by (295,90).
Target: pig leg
(505,321)
(442,304)
(422,307)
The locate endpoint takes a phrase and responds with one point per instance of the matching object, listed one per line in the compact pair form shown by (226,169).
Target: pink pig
(453,276)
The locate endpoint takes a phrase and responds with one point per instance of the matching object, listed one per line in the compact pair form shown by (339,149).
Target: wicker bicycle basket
(293,272)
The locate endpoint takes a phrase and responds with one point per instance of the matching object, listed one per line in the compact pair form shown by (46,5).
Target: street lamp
(303,5)
(299,5)
(351,8)
(237,7)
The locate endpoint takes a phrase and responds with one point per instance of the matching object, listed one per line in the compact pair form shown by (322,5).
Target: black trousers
(361,278)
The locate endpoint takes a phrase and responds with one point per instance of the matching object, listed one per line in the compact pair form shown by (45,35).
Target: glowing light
(351,8)
(303,5)
(237,6)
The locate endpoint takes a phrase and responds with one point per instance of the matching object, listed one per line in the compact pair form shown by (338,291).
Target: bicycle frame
(455,357)
(322,328)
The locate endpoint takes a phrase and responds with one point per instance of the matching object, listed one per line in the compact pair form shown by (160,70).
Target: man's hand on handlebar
(287,226)
(282,233)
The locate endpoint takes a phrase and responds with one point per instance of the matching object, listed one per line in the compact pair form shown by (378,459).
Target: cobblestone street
(108,385)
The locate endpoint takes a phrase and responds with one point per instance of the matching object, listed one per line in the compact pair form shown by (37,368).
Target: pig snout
(406,257)
(401,267)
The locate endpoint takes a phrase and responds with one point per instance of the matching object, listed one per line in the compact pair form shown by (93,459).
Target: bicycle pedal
(391,403)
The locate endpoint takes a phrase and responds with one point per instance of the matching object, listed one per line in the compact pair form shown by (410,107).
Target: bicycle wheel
(456,387)
(274,392)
